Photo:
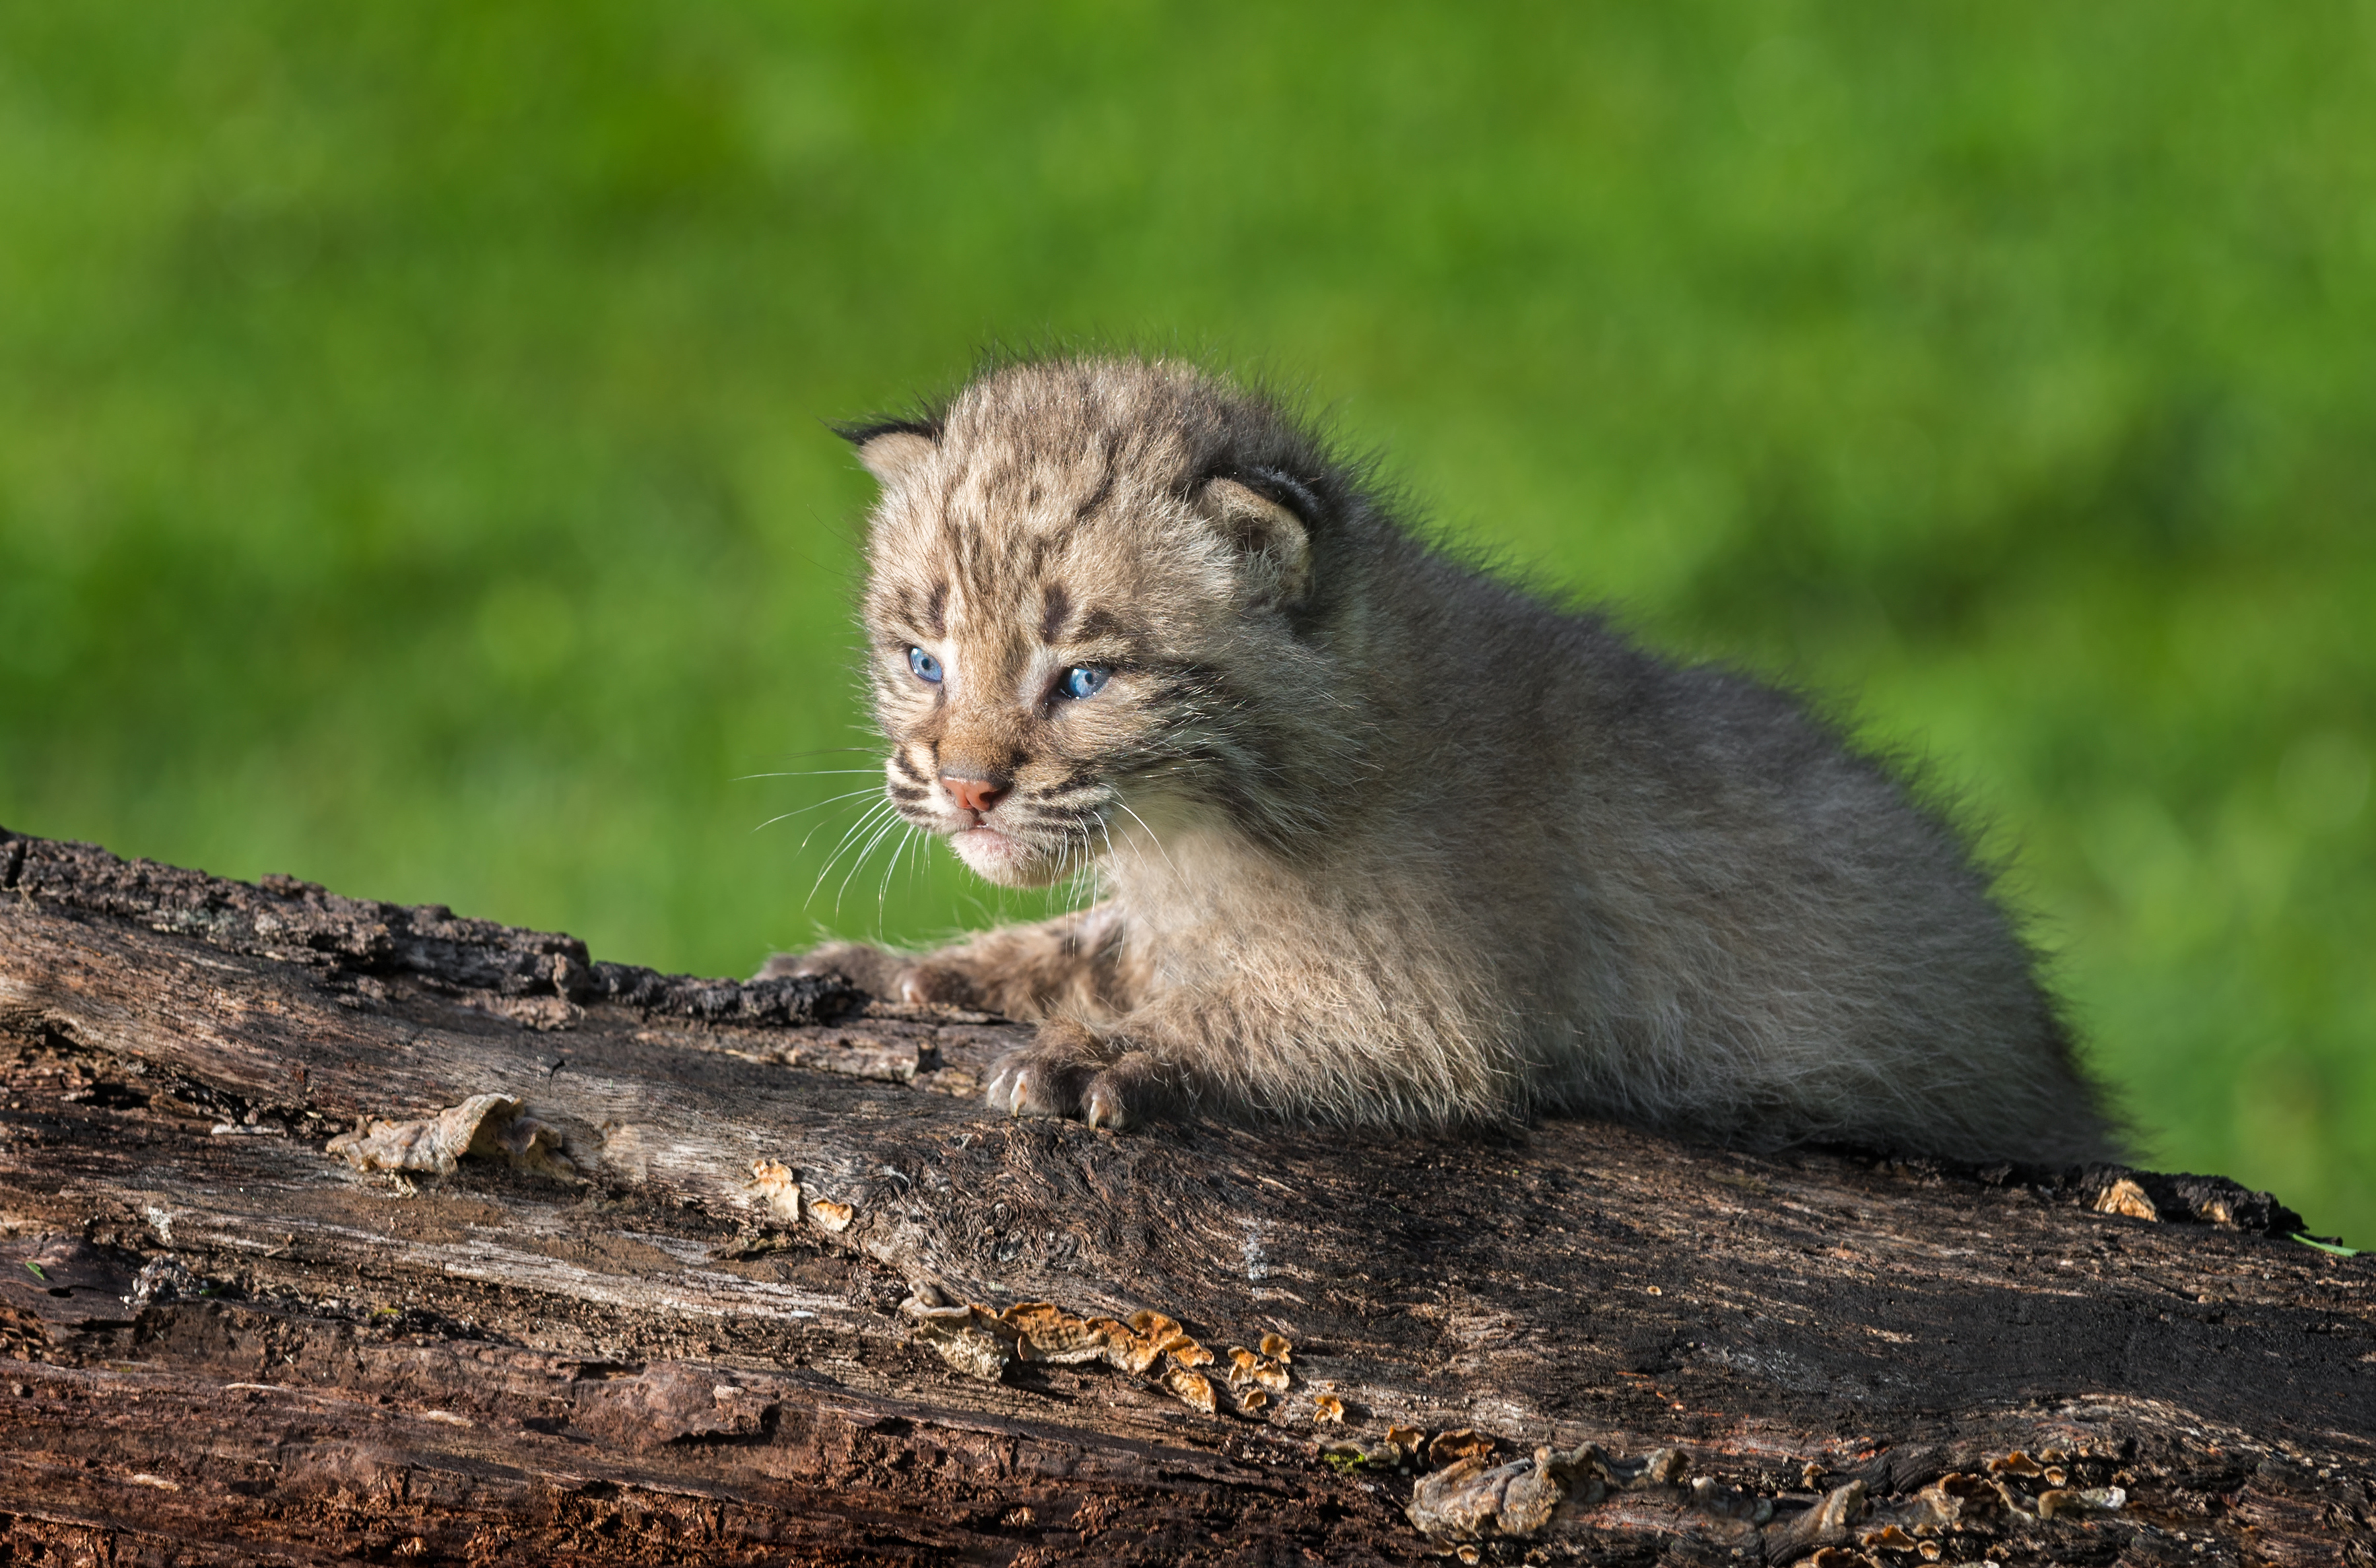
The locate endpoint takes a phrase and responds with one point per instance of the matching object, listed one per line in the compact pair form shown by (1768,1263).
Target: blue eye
(926,667)
(1083,681)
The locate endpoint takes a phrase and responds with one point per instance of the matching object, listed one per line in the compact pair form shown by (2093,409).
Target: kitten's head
(1091,585)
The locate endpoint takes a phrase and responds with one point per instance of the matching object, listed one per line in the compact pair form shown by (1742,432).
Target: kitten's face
(1019,692)
(1055,633)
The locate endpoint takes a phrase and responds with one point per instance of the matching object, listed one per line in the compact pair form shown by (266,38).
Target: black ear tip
(1277,486)
(858,433)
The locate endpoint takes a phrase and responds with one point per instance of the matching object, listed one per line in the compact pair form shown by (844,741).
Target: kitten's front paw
(894,977)
(1068,1071)
(1044,1079)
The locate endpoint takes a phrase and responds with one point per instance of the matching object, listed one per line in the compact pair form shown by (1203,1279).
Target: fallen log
(338,1230)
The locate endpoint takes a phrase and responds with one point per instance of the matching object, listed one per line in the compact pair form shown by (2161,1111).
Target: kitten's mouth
(1002,858)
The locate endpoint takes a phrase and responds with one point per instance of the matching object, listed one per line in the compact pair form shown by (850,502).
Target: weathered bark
(694,1290)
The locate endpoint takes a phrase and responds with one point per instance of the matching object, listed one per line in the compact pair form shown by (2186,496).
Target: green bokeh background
(412,475)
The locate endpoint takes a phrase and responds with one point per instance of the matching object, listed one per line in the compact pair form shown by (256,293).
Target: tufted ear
(891,449)
(1278,546)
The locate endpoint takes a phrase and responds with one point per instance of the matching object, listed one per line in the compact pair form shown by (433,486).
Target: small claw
(1105,1109)
(1019,1092)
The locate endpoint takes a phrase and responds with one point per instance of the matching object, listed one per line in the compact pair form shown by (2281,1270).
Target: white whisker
(848,836)
(802,810)
(858,864)
(883,894)
(1150,834)
(808,773)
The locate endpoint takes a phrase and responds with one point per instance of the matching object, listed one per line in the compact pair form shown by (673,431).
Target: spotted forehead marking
(1006,528)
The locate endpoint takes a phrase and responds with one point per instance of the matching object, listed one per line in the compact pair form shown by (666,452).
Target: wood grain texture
(631,1341)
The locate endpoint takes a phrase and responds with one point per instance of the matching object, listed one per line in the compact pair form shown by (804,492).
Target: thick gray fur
(1386,840)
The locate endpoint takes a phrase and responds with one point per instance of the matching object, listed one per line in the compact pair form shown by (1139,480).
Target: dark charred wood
(695,1273)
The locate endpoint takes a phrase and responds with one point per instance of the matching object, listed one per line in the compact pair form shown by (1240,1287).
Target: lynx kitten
(1383,841)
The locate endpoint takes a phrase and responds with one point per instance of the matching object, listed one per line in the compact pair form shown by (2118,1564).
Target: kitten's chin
(1005,860)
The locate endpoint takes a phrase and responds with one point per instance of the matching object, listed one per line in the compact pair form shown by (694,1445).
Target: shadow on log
(338,1230)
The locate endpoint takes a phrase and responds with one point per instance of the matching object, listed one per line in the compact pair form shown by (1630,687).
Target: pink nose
(973,795)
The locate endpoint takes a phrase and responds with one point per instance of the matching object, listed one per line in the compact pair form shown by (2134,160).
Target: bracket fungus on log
(336,1228)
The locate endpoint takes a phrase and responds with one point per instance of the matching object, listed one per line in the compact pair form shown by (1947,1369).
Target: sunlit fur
(1383,841)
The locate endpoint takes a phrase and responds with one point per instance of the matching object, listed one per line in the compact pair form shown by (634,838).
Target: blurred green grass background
(412,475)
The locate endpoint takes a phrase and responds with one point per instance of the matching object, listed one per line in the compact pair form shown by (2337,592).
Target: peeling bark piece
(1826,1525)
(1729,1503)
(2063,1503)
(968,1338)
(489,1125)
(1660,1466)
(164,1280)
(2014,1501)
(2124,1196)
(1941,1504)
(284,919)
(970,1351)
(1466,1443)
(2211,1200)
(1962,1496)
(858,1056)
(1473,1499)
